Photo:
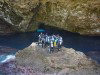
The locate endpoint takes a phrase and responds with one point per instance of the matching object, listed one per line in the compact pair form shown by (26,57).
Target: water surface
(10,44)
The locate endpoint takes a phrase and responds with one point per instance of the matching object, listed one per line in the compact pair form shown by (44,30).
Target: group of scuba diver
(51,42)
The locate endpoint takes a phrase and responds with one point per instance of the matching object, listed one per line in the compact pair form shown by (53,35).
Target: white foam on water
(8,58)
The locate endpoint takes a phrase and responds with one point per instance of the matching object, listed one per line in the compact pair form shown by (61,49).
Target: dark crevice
(36,10)
(5,27)
(52,29)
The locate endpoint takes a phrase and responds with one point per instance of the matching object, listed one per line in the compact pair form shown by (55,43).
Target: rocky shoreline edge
(35,60)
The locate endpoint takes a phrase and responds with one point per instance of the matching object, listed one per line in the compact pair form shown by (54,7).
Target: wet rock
(94,55)
(8,68)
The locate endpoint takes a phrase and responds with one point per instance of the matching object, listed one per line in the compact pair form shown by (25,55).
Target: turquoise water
(2,57)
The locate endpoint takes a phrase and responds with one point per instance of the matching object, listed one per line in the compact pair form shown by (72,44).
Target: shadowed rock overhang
(71,15)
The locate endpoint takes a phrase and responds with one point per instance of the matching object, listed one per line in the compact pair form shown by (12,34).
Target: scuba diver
(55,42)
(43,41)
(46,40)
(60,41)
(40,39)
(51,49)
(50,42)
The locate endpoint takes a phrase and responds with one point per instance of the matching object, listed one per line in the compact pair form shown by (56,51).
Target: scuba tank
(55,43)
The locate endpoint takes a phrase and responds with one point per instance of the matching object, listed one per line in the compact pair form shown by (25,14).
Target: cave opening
(79,42)
(76,41)
(54,30)
(71,40)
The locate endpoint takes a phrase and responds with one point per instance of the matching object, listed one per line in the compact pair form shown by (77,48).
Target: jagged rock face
(18,14)
(72,15)
(80,16)
(5,29)
(67,61)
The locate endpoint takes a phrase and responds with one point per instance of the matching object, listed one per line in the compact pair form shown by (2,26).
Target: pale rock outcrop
(67,61)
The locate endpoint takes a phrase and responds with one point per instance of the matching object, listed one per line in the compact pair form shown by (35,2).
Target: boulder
(67,61)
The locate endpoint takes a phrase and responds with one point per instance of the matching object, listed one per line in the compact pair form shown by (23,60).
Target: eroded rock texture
(82,16)
(66,61)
